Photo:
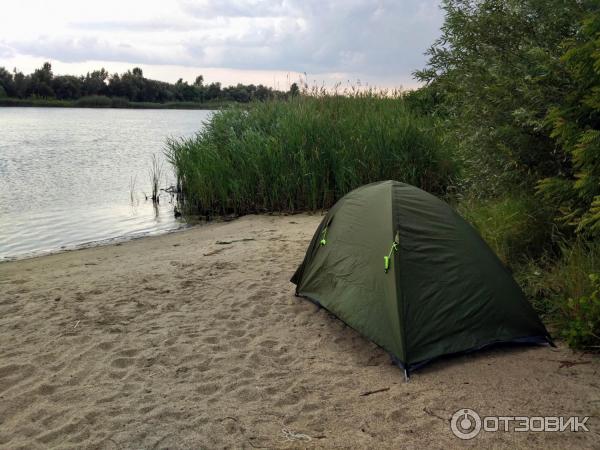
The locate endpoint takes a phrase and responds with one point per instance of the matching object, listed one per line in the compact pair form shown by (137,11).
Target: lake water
(76,177)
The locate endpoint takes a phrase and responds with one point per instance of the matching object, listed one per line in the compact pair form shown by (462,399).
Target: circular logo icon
(465,424)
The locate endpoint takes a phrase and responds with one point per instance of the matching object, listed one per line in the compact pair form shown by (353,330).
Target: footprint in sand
(122,363)
(46,389)
(129,352)
(211,339)
(208,388)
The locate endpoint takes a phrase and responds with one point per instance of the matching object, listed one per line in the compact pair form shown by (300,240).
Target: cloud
(238,8)
(72,49)
(376,39)
(6,51)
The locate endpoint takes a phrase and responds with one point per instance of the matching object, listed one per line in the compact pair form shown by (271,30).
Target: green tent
(404,269)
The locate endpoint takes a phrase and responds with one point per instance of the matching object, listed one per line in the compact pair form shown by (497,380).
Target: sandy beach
(195,339)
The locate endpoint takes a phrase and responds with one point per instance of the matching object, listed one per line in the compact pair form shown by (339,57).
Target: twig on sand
(76,324)
(431,413)
(214,252)
(376,391)
(234,240)
(566,363)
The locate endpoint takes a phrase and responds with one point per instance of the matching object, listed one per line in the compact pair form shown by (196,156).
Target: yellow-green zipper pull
(394,248)
(324,237)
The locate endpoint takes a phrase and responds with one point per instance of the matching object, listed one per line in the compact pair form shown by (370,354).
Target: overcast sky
(379,42)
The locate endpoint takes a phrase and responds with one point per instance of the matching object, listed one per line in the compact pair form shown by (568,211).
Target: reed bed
(305,153)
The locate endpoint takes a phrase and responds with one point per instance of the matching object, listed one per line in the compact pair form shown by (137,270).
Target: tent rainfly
(404,269)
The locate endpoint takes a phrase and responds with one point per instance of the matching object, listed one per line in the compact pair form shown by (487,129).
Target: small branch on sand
(235,240)
(76,324)
(376,391)
(568,364)
(214,252)
(431,413)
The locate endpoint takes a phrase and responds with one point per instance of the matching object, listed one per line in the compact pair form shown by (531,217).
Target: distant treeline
(130,86)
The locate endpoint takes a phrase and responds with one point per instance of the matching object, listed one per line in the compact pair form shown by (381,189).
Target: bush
(515,226)
(94,101)
(305,153)
(563,288)
(119,102)
(576,127)
(583,318)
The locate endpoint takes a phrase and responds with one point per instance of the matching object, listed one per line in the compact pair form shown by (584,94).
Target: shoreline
(119,240)
(195,338)
(27,103)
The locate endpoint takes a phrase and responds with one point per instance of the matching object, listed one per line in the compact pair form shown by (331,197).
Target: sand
(179,341)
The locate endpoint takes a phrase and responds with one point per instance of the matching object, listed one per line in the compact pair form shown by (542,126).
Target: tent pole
(406,377)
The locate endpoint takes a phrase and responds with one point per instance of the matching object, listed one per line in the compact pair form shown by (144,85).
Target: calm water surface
(67,175)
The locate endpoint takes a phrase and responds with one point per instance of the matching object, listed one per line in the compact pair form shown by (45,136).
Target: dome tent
(404,269)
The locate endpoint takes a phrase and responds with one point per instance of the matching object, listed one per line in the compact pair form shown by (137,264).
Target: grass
(557,273)
(305,153)
(156,173)
(514,226)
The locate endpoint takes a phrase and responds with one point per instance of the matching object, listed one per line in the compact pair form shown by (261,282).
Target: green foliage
(94,101)
(514,226)
(131,86)
(7,83)
(66,87)
(40,84)
(497,67)
(39,102)
(566,290)
(294,90)
(583,318)
(426,100)
(115,102)
(550,279)
(305,153)
(576,127)
(516,85)
(562,284)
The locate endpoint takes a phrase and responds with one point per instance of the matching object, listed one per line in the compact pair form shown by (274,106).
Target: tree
(67,87)
(7,83)
(130,85)
(576,127)
(94,83)
(41,80)
(294,90)
(497,66)
(213,91)
(21,83)
(239,93)
(262,93)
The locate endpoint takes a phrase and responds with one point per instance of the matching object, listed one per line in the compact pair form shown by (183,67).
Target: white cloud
(378,41)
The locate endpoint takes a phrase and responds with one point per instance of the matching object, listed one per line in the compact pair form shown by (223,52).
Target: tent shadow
(496,350)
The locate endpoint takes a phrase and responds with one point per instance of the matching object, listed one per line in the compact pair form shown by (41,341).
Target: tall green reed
(305,153)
